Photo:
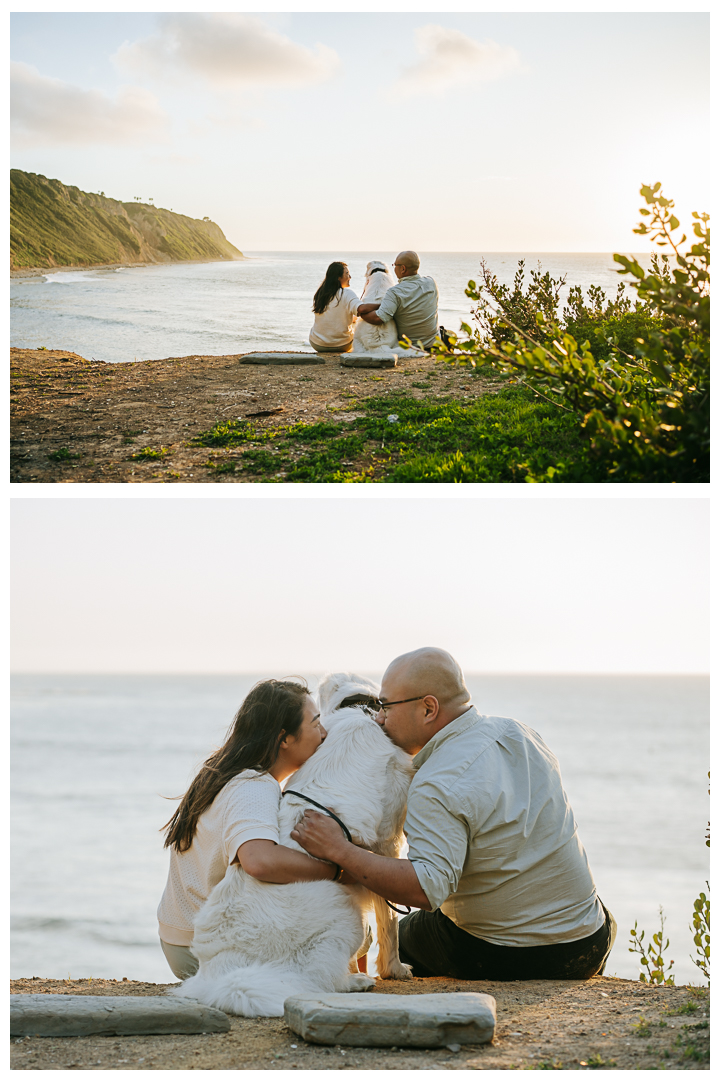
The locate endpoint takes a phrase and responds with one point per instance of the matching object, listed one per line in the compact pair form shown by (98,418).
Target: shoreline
(43,271)
(602,1023)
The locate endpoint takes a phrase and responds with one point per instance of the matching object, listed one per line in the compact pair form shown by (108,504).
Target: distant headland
(55,225)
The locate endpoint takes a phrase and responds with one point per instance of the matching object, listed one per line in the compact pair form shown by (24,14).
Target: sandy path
(539,1023)
(103,413)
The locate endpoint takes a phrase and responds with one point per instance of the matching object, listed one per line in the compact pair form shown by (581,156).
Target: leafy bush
(638,378)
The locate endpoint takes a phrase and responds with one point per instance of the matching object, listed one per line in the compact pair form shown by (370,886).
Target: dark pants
(434,945)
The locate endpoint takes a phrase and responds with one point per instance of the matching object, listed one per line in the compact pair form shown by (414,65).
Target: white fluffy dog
(367,337)
(259,943)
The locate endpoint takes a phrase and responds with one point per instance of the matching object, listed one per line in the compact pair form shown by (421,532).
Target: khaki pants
(331,348)
(182,962)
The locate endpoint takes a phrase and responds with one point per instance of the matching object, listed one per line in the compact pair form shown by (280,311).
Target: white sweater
(246,809)
(335,326)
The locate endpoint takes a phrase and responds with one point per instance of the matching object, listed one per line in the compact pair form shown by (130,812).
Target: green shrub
(638,379)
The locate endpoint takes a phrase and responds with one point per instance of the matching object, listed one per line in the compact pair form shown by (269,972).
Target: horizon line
(361,671)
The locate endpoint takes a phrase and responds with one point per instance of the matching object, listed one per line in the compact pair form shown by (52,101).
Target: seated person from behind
(413,303)
(495,865)
(335,306)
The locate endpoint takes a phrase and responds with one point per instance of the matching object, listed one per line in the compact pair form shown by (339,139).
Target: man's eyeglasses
(386,704)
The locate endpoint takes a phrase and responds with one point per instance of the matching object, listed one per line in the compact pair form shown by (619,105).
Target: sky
(485,132)
(295,587)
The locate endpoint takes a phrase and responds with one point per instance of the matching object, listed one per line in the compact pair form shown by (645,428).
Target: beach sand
(541,1024)
(104,413)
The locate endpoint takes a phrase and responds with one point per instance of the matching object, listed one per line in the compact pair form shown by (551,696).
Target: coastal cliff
(54,224)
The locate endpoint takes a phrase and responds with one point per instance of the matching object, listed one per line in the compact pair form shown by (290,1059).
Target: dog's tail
(255,990)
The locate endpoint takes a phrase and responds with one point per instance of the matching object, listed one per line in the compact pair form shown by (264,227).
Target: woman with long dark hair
(230,811)
(335,306)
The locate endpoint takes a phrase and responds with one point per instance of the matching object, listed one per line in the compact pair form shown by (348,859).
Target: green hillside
(52,224)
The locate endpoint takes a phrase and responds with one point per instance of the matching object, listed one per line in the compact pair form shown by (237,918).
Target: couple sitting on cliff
(387,312)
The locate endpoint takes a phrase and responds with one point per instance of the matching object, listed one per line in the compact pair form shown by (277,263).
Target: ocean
(95,759)
(263,302)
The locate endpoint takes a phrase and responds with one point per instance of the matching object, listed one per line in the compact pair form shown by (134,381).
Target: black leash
(343,826)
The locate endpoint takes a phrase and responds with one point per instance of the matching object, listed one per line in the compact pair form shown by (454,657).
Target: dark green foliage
(63,454)
(52,224)
(638,379)
(505,437)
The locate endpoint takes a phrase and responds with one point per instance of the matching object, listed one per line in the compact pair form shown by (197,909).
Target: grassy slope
(508,437)
(52,224)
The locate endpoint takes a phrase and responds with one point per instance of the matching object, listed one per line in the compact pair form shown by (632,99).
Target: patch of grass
(643,1029)
(221,466)
(421,385)
(687,1009)
(556,1063)
(129,436)
(599,1062)
(148,453)
(506,437)
(63,454)
(263,461)
(692,1049)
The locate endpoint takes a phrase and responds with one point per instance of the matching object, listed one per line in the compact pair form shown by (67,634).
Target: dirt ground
(101,414)
(605,1023)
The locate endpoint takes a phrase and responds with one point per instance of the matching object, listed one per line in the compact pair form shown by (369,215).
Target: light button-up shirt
(413,303)
(493,839)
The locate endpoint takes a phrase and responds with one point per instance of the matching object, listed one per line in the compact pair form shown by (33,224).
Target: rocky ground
(605,1023)
(76,420)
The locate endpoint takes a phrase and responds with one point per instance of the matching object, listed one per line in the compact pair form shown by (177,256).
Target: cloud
(48,110)
(230,51)
(450,58)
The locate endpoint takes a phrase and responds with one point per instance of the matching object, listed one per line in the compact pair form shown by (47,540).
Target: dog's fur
(259,943)
(369,338)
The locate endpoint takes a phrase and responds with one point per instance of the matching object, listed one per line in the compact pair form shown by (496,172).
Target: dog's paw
(396,970)
(359,982)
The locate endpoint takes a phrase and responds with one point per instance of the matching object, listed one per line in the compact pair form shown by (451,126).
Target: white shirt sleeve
(351,300)
(251,813)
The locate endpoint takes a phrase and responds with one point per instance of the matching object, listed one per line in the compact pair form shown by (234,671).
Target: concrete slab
(55,1015)
(286,358)
(392,1019)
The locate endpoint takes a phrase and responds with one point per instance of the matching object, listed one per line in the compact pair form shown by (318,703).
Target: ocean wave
(97,930)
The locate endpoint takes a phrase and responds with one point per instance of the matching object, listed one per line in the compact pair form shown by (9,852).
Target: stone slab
(368,361)
(392,1019)
(285,358)
(56,1015)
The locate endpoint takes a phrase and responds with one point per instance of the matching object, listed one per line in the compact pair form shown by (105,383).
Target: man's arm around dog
(393,879)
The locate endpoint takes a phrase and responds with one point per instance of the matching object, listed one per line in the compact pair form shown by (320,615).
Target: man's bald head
(430,671)
(410,260)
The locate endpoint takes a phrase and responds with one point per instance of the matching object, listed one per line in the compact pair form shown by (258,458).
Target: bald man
(495,865)
(413,303)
